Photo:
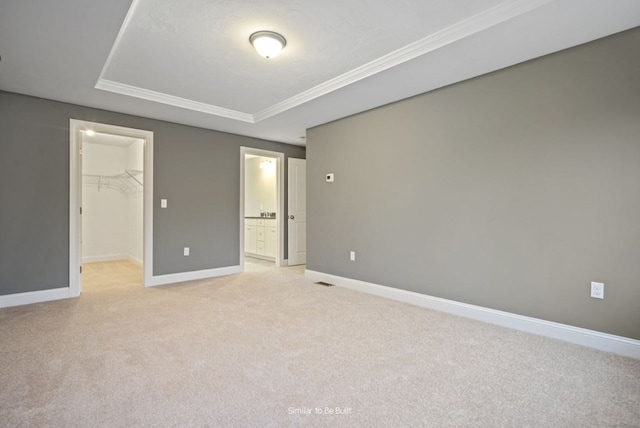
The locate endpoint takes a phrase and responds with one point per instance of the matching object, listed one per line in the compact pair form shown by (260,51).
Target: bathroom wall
(260,186)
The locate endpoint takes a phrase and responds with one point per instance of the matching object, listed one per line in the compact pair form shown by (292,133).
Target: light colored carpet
(263,348)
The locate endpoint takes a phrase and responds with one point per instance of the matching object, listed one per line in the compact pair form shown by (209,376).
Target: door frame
(279,157)
(76,129)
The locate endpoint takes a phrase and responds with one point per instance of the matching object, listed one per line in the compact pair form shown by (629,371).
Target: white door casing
(76,128)
(297,219)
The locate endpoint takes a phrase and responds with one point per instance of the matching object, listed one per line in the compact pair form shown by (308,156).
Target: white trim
(279,157)
(159,97)
(259,256)
(105,258)
(116,43)
(194,275)
(112,258)
(135,260)
(75,192)
(30,297)
(147,226)
(146,94)
(75,196)
(580,336)
(458,31)
(281,214)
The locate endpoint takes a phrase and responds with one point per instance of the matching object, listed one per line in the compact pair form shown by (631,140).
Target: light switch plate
(163,203)
(329,178)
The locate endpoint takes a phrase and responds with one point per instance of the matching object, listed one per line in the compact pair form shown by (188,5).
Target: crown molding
(458,31)
(146,94)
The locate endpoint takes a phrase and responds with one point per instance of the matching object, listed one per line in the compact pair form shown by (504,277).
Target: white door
(80,154)
(297,211)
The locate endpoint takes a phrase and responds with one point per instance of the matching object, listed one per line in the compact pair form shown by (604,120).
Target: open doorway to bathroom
(261,209)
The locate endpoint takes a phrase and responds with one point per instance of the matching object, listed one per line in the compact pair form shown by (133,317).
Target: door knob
(292,217)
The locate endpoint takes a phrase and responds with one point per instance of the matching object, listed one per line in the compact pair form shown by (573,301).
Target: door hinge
(80,210)
(80,269)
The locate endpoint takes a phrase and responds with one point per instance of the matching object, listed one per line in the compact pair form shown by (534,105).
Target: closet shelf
(129,181)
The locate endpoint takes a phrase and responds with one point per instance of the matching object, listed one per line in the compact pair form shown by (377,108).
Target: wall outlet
(352,256)
(186,251)
(597,290)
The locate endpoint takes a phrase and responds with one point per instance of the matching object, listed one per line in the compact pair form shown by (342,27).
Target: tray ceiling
(191,62)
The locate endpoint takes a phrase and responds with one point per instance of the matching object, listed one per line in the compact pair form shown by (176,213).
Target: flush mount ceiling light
(266,164)
(267,43)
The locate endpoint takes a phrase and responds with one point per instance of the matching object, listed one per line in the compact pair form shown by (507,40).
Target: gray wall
(197,170)
(510,191)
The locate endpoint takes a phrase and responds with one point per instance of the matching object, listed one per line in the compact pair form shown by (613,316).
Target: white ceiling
(108,139)
(191,62)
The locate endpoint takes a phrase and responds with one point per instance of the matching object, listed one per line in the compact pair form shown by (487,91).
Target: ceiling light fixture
(90,132)
(266,164)
(267,43)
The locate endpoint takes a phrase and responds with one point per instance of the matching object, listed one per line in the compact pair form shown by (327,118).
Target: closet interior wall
(112,202)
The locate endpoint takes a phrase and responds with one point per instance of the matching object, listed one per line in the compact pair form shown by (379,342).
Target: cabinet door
(260,233)
(250,239)
(270,241)
(260,248)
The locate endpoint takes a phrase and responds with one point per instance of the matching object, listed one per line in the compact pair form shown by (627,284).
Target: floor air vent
(326,284)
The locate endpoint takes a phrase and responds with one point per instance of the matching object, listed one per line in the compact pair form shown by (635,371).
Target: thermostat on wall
(329,178)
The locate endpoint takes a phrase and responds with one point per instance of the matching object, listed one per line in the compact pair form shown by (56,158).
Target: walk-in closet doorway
(110,200)
(112,190)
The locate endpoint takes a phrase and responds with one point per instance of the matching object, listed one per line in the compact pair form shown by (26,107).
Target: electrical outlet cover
(597,290)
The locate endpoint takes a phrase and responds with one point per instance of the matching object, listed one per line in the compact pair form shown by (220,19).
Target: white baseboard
(261,257)
(135,260)
(105,258)
(112,258)
(30,297)
(190,276)
(581,336)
